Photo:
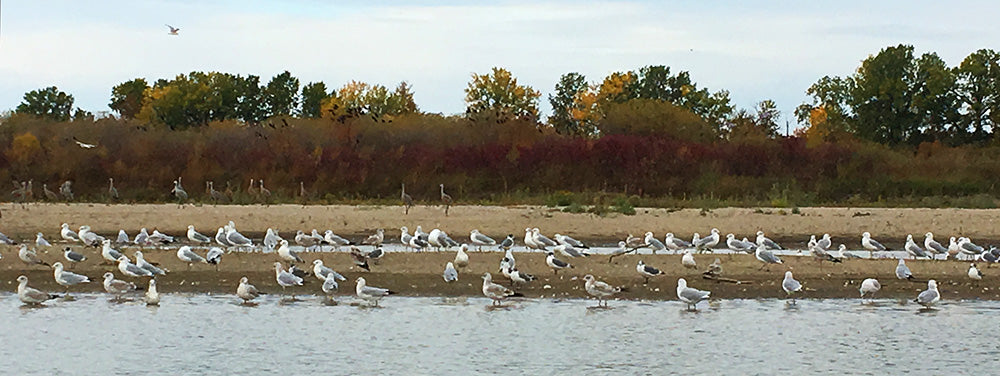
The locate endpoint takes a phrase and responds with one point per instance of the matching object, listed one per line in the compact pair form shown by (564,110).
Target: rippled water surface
(203,334)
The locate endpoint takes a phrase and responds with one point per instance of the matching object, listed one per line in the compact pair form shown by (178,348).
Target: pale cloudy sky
(755,49)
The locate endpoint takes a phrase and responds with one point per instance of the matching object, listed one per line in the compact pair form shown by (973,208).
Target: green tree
(563,101)
(935,98)
(281,95)
(83,115)
(402,99)
(830,94)
(313,95)
(48,103)
(978,90)
(127,98)
(497,94)
(250,107)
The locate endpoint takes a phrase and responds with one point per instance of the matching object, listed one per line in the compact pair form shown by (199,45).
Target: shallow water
(212,334)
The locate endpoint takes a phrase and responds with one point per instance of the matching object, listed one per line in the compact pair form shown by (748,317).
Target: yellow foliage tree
(23,149)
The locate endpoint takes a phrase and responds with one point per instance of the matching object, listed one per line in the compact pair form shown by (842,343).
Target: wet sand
(419,273)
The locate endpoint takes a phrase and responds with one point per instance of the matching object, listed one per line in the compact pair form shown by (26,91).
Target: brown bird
(360,258)
(446,199)
(407,200)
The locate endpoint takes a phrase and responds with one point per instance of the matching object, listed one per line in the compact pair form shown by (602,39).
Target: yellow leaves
(24,147)
(331,106)
(614,85)
(499,93)
(819,129)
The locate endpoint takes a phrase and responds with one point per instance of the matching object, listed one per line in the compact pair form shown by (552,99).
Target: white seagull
(450,274)
(929,296)
(31,296)
(689,295)
(370,293)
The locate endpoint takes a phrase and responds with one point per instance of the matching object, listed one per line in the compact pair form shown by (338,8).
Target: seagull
(419,233)
(109,254)
(271,239)
(870,244)
(330,285)
(322,271)
(688,260)
(480,240)
(122,237)
(404,236)
(89,238)
(737,245)
(647,271)
(914,249)
(285,278)
(565,240)
(173,30)
(237,239)
(990,256)
(902,271)
(967,247)
(418,243)
(820,254)
(220,238)
(130,269)
(707,242)
(600,290)
(40,241)
(974,273)
(494,291)
(214,256)
(843,254)
(715,268)
(569,251)
(953,248)
(450,274)
(116,287)
(529,240)
(83,144)
(73,257)
(542,240)
(824,242)
(654,243)
(509,259)
(197,237)
(287,254)
(518,277)
(555,264)
(68,234)
(790,285)
(30,295)
(142,238)
(298,272)
(246,291)
(67,279)
(375,239)
(507,243)
(869,286)
(142,263)
(770,244)
(635,242)
(370,293)
(187,255)
(932,245)
(766,257)
(462,258)
(929,296)
(29,256)
(160,238)
(5,240)
(334,240)
(376,254)
(689,295)
(675,244)
(152,297)
(360,258)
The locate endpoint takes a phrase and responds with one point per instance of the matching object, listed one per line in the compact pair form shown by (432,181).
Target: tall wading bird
(446,199)
(112,191)
(407,199)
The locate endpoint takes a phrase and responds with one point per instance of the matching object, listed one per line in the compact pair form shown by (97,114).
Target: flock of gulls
(227,239)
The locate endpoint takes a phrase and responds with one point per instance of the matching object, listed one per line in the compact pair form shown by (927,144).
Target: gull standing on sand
(967,247)
(197,237)
(564,240)
(569,251)
(220,238)
(130,269)
(869,287)
(555,264)
(518,278)
(974,273)
(462,258)
(285,278)
(913,249)
(322,271)
(450,274)
(541,240)
(159,238)
(508,242)
(689,295)
(29,256)
(790,285)
(40,241)
(142,263)
(404,236)
(333,239)
(763,240)
(370,293)
(116,287)
(929,296)
(737,245)
(870,244)
(766,257)
(675,244)
(480,240)
(360,258)
(419,233)
(529,240)
(688,260)
(109,254)
(825,242)
(843,254)
(31,296)
(903,271)
(330,285)
(494,291)
(152,297)
(599,290)
(214,256)
(237,239)
(287,254)
(707,242)
(647,271)
(654,243)
(375,239)
(122,237)
(6,240)
(271,239)
(73,257)
(953,248)
(142,238)
(376,254)
(88,237)
(184,253)
(246,291)
(68,234)
(67,279)
(509,259)
(933,246)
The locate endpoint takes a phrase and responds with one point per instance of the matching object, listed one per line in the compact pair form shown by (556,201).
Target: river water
(213,334)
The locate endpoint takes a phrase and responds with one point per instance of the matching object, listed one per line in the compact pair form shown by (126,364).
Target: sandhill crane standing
(265,194)
(66,189)
(112,191)
(216,195)
(49,195)
(446,199)
(179,192)
(407,200)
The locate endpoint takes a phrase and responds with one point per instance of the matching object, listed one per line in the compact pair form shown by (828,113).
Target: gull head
(588,278)
(244,279)
(760,233)
(317,262)
(108,276)
(788,274)
(22,279)
(682,283)
(928,235)
(58,265)
(866,234)
(902,262)
(932,284)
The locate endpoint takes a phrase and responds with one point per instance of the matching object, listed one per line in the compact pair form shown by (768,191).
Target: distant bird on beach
(929,296)
(870,244)
(903,271)
(407,199)
(647,271)
(974,273)
(446,199)
(370,293)
(766,257)
(869,287)
(689,295)
(600,290)
(246,291)
(790,285)
(174,30)
(450,274)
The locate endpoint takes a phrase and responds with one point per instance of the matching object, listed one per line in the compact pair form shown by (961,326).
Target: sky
(755,49)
